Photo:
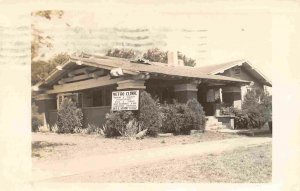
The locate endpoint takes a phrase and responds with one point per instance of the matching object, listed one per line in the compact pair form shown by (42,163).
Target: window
(75,97)
(97,98)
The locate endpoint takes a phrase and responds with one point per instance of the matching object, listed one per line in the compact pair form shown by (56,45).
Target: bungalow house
(90,79)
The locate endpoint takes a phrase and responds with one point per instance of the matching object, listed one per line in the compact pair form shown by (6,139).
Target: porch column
(131,84)
(184,92)
(44,103)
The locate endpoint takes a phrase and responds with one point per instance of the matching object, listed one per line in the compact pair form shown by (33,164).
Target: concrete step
(215,127)
(214,123)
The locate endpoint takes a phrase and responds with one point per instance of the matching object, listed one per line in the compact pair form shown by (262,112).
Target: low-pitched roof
(130,67)
(220,68)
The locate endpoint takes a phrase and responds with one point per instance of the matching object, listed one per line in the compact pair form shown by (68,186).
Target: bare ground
(242,165)
(51,146)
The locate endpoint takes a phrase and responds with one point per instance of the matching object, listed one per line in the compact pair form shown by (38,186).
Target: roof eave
(265,81)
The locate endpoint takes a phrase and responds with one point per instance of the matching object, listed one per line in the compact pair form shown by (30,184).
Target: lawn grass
(243,165)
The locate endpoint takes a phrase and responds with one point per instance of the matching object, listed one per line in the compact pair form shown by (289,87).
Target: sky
(211,36)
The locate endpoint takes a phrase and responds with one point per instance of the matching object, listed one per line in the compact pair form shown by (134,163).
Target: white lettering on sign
(125,100)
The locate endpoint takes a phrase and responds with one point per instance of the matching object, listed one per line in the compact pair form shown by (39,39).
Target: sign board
(125,100)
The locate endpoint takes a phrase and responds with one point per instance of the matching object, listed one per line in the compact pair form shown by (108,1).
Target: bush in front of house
(36,118)
(129,123)
(241,119)
(173,118)
(36,122)
(92,129)
(70,118)
(199,120)
(149,115)
(177,118)
(117,123)
(256,110)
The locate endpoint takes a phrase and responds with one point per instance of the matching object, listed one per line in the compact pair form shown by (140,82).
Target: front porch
(96,102)
(210,94)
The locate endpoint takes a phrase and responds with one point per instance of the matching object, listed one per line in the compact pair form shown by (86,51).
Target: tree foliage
(187,61)
(48,14)
(156,55)
(41,69)
(39,39)
(153,55)
(121,53)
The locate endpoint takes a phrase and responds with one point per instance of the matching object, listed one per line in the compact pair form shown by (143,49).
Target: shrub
(44,129)
(36,122)
(177,119)
(116,123)
(92,128)
(248,118)
(266,102)
(128,123)
(54,128)
(199,120)
(256,110)
(149,115)
(241,119)
(36,118)
(70,118)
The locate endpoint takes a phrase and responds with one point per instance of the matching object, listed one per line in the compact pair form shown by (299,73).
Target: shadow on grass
(44,144)
(257,134)
(38,148)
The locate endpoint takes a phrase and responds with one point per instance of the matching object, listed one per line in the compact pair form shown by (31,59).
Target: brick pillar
(45,103)
(184,92)
(43,109)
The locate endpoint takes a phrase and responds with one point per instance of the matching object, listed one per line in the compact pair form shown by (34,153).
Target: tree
(121,53)
(39,39)
(156,55)
(41,69)
(153,55)
(187,61)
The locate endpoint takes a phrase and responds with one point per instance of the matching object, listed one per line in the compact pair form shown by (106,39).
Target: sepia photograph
(143,96)
(149,95)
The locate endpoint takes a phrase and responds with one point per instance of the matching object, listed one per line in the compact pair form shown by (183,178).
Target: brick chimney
(172,58)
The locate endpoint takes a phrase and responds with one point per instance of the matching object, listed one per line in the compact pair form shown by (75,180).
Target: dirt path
(54,169)
(52,146)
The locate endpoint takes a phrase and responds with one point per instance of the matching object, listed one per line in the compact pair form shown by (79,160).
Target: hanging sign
(125,100)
